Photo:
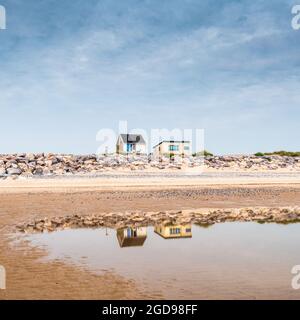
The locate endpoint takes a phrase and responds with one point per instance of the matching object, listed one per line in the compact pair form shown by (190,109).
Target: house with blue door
(131,144)
(131,236)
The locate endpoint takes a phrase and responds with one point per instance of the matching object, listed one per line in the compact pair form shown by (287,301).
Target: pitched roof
(130,242)
(132,138)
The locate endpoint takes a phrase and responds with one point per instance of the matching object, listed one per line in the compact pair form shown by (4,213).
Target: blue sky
(70,68)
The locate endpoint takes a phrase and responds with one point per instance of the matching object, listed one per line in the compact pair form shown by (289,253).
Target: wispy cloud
(79,67)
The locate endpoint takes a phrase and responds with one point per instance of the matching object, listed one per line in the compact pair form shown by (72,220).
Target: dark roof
(132,138)
(130,242)
(172,141)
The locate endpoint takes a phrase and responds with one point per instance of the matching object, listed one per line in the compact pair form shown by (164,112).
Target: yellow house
(131,237)
(176,148)
(171,231)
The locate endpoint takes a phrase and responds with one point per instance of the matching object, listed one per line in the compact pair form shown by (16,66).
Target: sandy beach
(149,150)
(125,180)
(27,199)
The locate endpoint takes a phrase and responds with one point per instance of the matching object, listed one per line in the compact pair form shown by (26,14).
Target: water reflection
(174,231)
(131,237)
(136,236)
(229,261)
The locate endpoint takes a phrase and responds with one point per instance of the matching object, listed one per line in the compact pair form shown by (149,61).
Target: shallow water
(229,260)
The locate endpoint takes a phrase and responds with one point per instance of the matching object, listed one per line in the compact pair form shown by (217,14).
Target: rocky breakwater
(202,218)
(244,162)
(28,165)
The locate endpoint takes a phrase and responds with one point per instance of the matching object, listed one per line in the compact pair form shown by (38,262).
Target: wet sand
(22,200)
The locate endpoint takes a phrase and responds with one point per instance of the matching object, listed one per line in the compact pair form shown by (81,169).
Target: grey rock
(14,171)
(38,172)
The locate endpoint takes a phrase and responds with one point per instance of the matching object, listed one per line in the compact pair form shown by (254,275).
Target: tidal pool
(224,261)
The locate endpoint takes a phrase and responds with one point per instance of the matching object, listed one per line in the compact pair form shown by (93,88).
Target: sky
(71,68)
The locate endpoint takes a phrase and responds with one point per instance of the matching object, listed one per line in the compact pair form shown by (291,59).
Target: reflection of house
(171,231)
(130,237)
(131,143)
(167,148)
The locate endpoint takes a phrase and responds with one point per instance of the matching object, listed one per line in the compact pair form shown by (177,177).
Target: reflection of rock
(131,237)
(174,231)
(164,218)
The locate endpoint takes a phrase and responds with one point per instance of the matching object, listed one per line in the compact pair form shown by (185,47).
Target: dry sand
(147,180)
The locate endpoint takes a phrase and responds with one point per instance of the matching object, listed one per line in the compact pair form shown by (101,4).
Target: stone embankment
(29,165)
(123,219)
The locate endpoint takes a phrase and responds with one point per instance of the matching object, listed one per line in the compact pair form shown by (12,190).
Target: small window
(173,147)
(172,230)
(186,148)
(188,230)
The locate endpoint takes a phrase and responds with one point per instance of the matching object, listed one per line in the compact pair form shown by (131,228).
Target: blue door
(129,147)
